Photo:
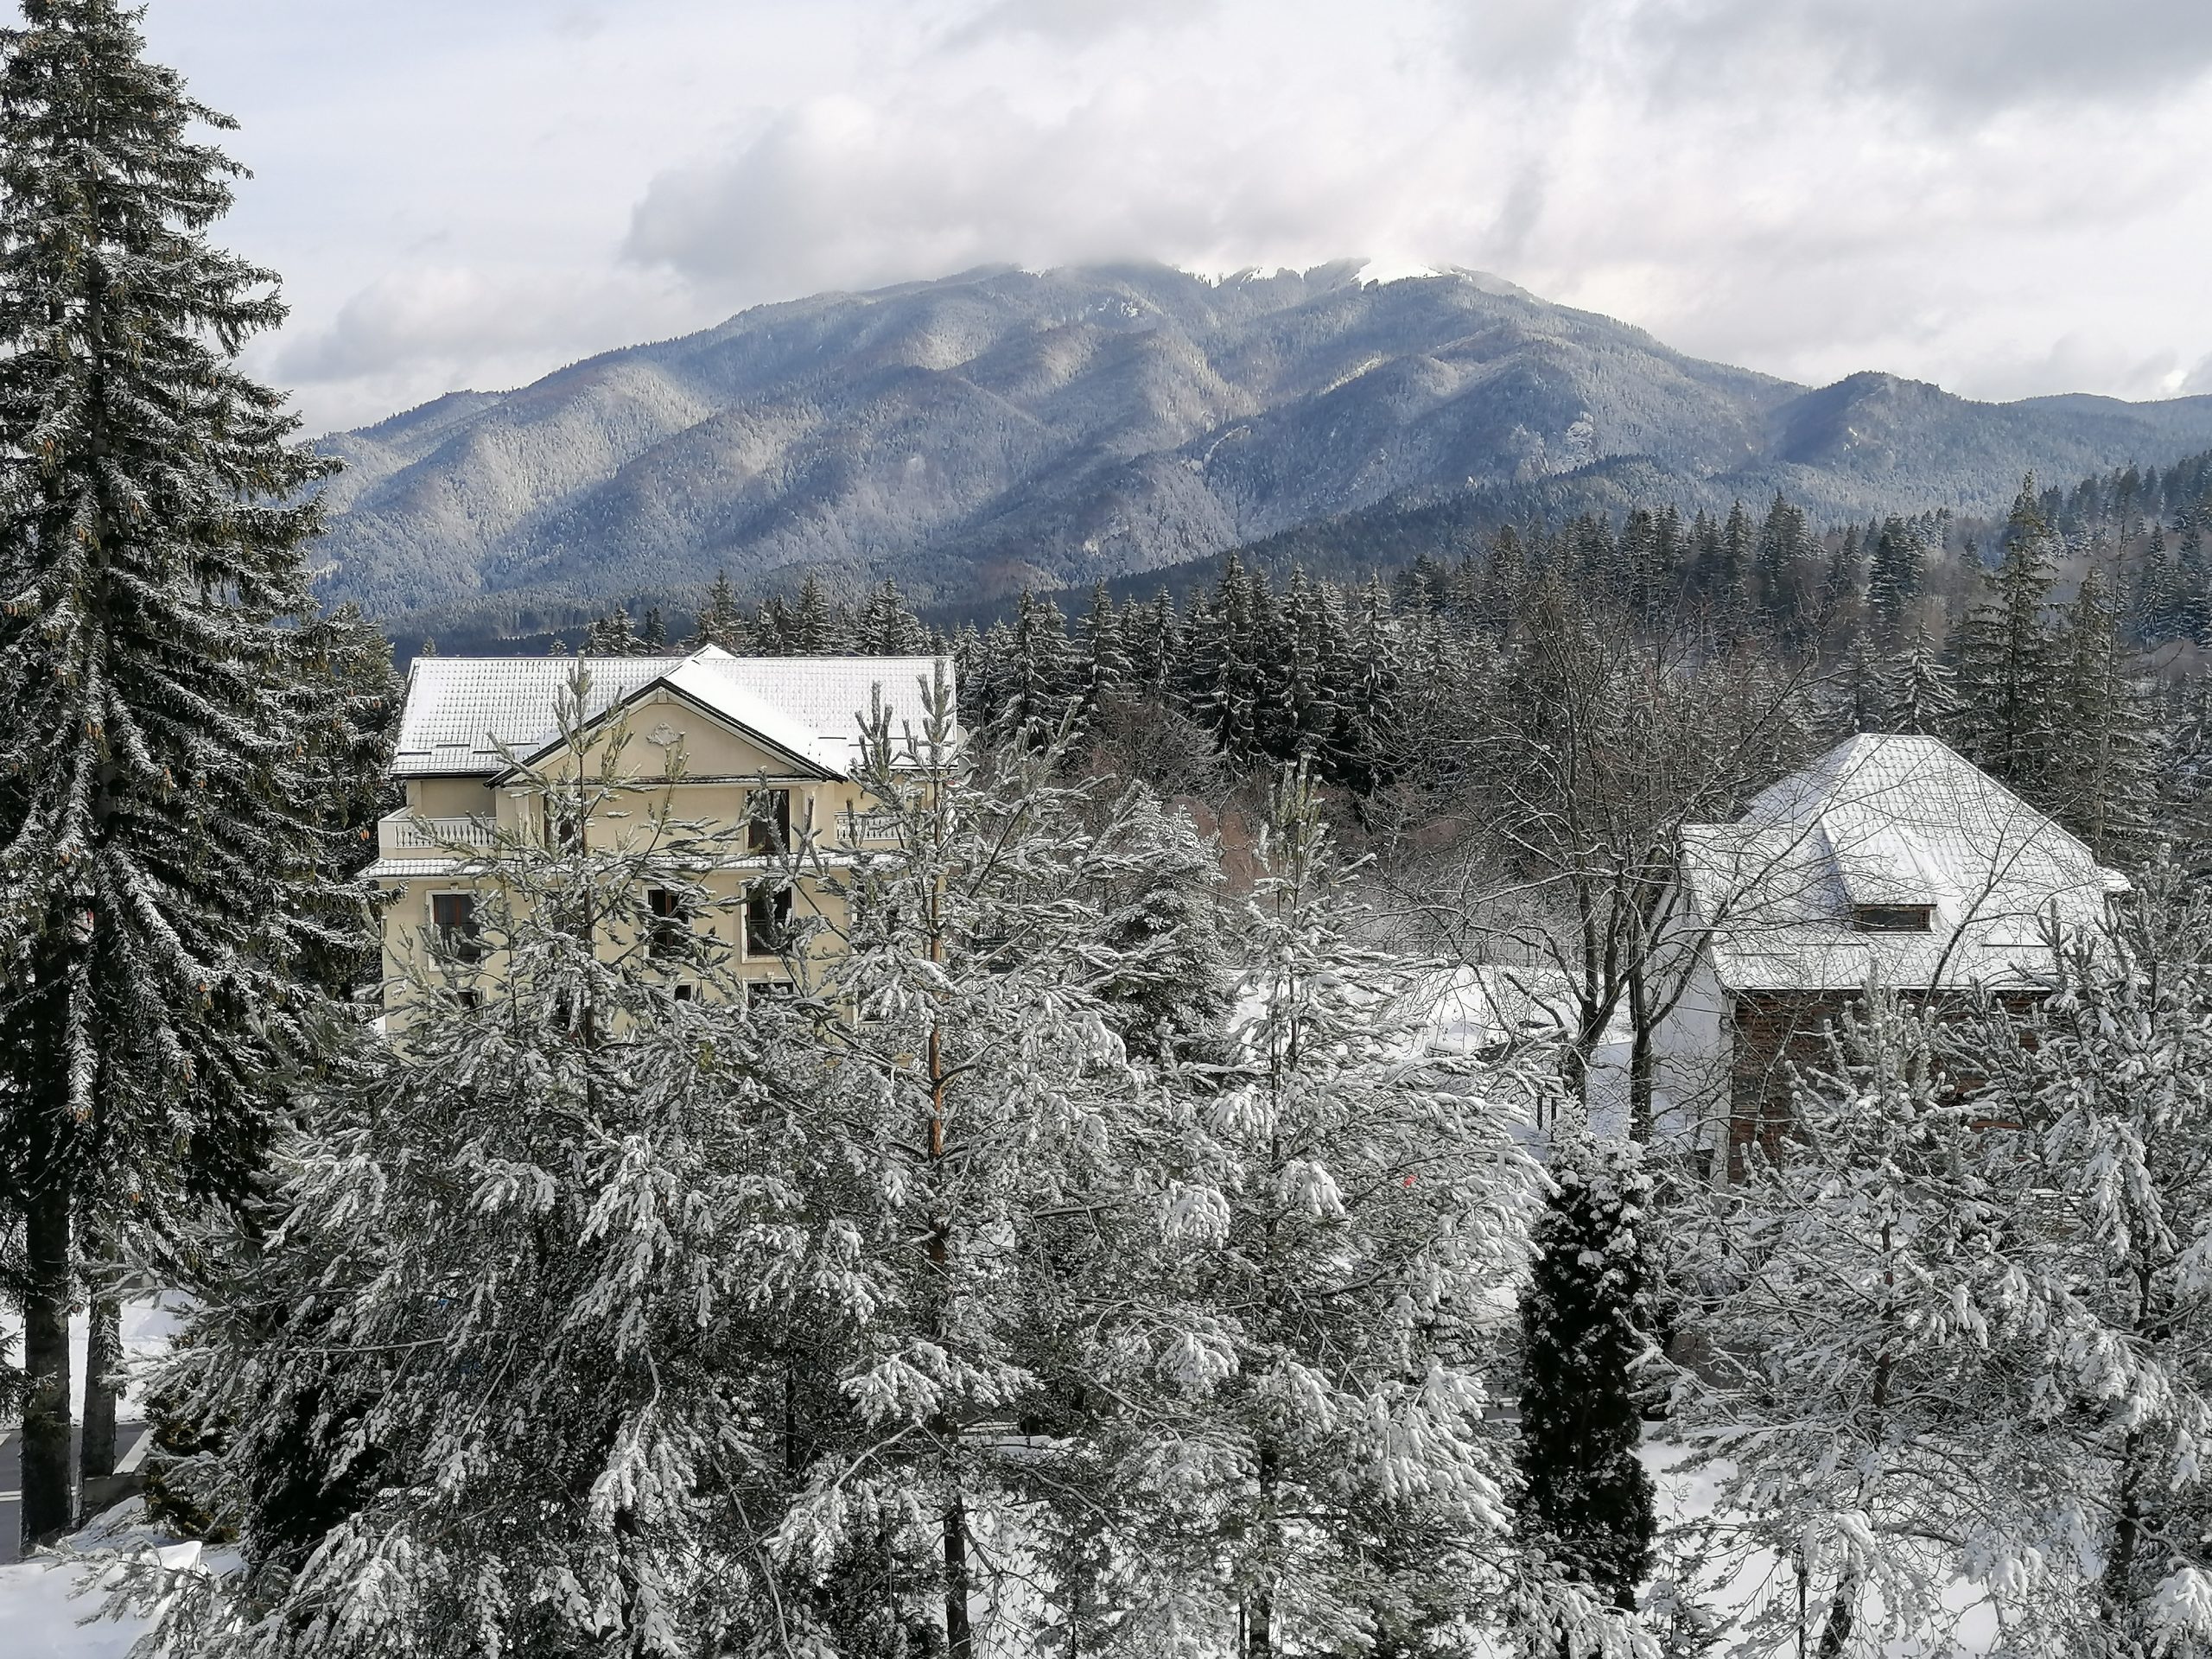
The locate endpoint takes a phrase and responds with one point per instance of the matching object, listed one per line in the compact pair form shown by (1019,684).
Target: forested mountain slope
(1003,429)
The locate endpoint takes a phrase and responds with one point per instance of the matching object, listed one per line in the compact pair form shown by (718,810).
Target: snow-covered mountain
(1003,428)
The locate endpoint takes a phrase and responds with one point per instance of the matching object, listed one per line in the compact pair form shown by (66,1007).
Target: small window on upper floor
(768,821)
(668,929)
(454,916)
(1893,918)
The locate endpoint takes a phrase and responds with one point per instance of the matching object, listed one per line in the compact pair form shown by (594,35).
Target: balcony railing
(407,835)
(866,829)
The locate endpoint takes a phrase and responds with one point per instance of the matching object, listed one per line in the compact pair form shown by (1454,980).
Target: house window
(564,824)
(768,821)
(687,993)
(767,920)
(1892,918)
(454,917)
(760,992)
(668,932)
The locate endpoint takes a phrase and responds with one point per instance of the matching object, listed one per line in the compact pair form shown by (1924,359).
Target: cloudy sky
(2006,196)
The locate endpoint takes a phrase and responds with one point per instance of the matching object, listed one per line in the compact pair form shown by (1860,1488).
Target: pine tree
(1777,575)
(1101,667)
(1586,1500)
(347,702)
(2108,1078)
(1034,685)
(1000,1132)
(1921,702)
(2006,668)
(886,627)
(492,1361)
(722,619)
(2103,770)
(613,635)
(1340,1192)
(1893,582)
(774,632)
(1223,688)
(813,631)
(157,839)
(1368,702)
(1868,1306)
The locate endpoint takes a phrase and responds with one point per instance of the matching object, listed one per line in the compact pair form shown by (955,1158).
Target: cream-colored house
(766,748)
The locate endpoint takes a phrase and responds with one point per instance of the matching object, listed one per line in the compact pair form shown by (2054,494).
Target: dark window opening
(564,825)
(687,993)
(454,916)
(1893,918)
(767,921)
(768,821)
(469,1000)
(668,933)
(760,991)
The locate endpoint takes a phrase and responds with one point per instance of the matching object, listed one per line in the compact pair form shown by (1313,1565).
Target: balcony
(873,829)
(406,834)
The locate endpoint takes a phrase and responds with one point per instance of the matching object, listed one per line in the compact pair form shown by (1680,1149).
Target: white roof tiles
(1883,821)
(460,709)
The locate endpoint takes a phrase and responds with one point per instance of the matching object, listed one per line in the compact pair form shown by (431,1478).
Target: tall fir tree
(886,627)
(722,619)
(2104,765)
(1585,1499)
(156,830)
(1893,582)
(813,631)
(2006,663)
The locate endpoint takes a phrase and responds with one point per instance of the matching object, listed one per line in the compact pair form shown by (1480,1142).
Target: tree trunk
(103,1388)
(958,1639)
(1262,1641)
(1642,1061)
(1842,1618)
(49,1498)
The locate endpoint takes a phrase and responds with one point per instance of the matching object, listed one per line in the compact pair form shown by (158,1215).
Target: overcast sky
(2006,196)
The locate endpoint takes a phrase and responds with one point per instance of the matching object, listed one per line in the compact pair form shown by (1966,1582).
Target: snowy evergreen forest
(1102,1251)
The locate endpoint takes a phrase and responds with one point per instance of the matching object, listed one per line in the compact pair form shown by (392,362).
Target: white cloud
(2008,196)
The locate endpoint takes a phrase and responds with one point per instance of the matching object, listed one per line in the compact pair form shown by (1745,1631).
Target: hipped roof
(1888,820)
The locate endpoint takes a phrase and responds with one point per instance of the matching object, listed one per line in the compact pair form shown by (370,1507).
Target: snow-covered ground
(51,1608)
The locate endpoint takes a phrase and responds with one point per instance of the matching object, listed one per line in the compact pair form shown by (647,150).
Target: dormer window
(1893,918)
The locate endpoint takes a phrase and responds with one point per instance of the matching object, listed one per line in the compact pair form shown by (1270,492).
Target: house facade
(761,752)
(1890,861)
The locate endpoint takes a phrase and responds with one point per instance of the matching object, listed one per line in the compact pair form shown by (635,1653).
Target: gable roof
(1887,820)
(460,709)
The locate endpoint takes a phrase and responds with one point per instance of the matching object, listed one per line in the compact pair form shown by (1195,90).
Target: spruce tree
(157,835)
(2103,772)
(2007,666)
(1922,701)
(613,635)
(813,630)
(886,627)
(1102,667)
(1893,582)
(498,1359)
(722,619)
(1586,1500)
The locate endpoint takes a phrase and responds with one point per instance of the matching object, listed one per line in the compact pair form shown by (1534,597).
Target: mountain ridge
(1002,428)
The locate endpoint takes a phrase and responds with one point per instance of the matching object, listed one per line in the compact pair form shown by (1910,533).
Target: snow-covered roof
(460,709)
(1883,821)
